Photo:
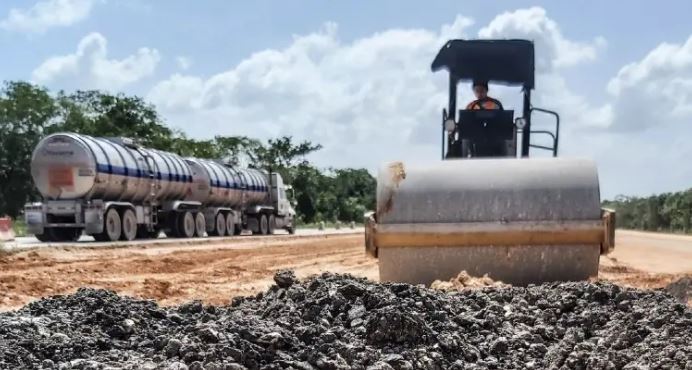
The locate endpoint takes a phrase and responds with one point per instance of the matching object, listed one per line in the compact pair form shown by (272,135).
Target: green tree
(236,149)
(101,114)
(25,113)
(308,183)
(29,112)
(355,192)
(669,211)
(282,153)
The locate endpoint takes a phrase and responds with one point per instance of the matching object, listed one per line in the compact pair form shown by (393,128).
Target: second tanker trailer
(113,189)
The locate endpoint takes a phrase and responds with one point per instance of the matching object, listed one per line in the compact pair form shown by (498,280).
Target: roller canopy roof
(509,62)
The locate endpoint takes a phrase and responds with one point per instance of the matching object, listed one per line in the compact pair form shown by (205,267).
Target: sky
(355,76)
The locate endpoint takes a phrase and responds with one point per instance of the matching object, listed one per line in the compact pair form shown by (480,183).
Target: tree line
(670,212)
(29,112)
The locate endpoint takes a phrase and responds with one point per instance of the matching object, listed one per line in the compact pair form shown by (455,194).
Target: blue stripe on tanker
(130,172)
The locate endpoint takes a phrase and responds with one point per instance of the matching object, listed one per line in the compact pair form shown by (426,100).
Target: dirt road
(215,272)
(647,260)
(172,273)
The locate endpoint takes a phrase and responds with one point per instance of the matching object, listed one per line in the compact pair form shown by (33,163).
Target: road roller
(491,206)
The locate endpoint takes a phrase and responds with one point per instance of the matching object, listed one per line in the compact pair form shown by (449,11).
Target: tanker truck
(114,189)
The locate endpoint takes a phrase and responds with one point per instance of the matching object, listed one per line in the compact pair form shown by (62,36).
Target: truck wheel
(291,230)
(200,225)
(186,225)
(219,225)
(111,227)
(129,225)
(47,236)
(264,225)
(272,224)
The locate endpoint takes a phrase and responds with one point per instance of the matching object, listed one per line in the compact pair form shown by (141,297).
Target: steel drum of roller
(73,166)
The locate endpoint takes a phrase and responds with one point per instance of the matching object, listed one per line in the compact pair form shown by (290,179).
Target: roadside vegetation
(29,112)
(668,212)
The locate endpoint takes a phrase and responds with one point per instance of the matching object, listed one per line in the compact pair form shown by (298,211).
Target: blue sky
(354,75)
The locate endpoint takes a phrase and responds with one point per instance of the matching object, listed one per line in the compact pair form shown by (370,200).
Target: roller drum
(482,190)
(519,220)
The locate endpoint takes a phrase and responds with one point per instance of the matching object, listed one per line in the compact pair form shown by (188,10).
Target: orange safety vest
(487,103)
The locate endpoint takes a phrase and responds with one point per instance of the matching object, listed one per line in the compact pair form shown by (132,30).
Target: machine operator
(483,101)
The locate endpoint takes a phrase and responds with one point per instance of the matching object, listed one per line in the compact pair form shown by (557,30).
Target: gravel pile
(342,322)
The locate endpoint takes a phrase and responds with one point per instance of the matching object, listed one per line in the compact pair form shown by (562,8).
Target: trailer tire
(219,225)
(128,219)
(272,225)
(237,229)
(263,225)
(111,227)
(291,230)
(200,225)
(186,225)
(230,225)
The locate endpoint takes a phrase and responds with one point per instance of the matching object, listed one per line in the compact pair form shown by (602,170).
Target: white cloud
(553,49)
(184,63)
(371,93)
(655,90)
(369,100)
(90,67)
(374,99)
(554,52)
(47,14)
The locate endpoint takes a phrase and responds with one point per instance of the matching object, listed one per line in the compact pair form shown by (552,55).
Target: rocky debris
(681,289)
(285,278)
(466,281)
(341,322)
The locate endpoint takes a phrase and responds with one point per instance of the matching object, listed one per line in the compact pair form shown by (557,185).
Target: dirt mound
(466,281)
(341,322)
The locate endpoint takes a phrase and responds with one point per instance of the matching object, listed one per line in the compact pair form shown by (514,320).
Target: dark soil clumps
(340,322)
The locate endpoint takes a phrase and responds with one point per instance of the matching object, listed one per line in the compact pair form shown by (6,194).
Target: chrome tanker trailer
(113,189)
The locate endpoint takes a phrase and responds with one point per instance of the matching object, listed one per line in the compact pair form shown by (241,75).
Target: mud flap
(608,217)
(370,228)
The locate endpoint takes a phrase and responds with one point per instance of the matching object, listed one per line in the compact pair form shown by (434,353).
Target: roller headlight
(450,125)
(520,122)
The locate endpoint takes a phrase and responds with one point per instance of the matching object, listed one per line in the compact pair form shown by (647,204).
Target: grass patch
(19,227)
